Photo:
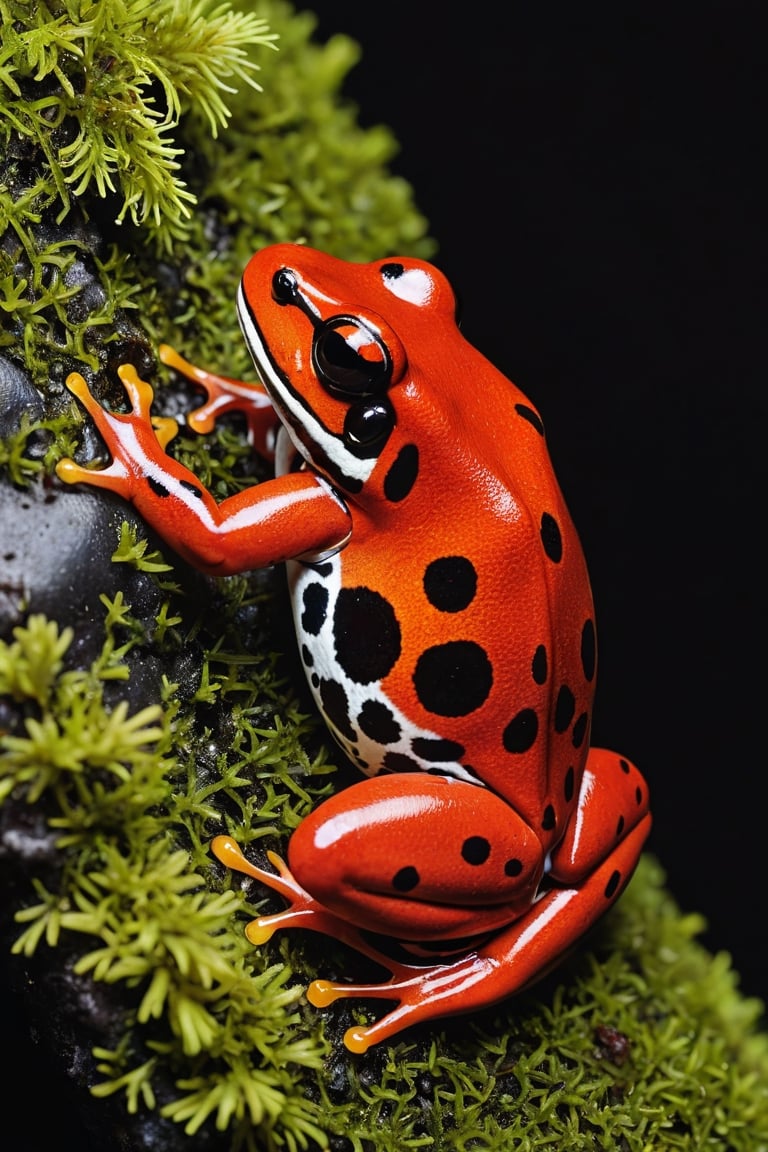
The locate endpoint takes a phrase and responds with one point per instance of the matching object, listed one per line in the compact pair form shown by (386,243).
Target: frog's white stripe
(287,401)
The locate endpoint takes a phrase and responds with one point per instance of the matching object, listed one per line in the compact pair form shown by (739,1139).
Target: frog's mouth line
(317,444)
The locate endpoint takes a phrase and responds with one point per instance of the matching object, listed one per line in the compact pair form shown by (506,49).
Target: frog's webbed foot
(225,394)
(113,426)
(418,992)
(303,910)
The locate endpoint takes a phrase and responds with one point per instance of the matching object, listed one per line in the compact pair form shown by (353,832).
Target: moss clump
(141,165)
(130,802)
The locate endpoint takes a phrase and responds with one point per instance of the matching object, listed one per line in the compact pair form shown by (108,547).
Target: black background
(590,174)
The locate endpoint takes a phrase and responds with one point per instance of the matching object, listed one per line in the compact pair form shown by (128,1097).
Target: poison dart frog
(445,622)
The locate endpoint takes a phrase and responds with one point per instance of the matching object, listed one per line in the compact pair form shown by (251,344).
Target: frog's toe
(111,477)
(358,1040)
(165,429)
(321,993)
(71,472)
(261,929)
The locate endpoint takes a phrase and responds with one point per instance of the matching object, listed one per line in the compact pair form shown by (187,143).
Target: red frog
(445,622)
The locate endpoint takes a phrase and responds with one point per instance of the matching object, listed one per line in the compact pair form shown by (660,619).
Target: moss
(617,1051)
(148,149)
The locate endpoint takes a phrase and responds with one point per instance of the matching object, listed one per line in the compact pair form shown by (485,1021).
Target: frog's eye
(349,358)
(367,425)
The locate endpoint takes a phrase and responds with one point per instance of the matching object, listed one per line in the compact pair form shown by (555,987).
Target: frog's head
(337,347)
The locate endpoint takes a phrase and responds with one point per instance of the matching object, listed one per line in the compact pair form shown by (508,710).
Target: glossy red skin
(524,798)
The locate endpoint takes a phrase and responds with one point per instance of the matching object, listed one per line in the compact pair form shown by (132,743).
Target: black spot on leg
(450,583)
(513,867)
(475,850)
(436,750)
(539,665)
(588,649)
(564,708)
(548,819)
(406,879)
(315,608)
(333,701)
(612,885)
(580,730)
(521,732)
(399,762)
(377,721)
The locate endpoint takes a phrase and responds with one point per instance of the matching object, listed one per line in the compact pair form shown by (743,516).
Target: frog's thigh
(612,803)
(418,857)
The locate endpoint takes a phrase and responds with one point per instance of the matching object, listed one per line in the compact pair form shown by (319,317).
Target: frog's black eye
(285,286)
(367,425)
(349,358)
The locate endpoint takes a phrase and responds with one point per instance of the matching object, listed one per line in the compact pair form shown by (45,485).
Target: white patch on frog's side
(285,400)
(320,664)
(415,286)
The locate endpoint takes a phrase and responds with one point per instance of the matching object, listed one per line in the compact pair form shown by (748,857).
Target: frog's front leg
(289,516)
(226,394)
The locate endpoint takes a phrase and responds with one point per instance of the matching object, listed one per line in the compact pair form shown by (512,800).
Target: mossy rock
(144,708)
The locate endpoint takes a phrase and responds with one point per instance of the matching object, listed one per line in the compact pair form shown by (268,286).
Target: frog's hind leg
(590,868)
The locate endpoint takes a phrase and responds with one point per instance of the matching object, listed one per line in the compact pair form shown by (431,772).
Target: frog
(444,620)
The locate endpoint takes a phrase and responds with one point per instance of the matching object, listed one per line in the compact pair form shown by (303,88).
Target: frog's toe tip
(200,420)
(77,385)
(70,472)
(356,1040)
(259,931)
(321,993)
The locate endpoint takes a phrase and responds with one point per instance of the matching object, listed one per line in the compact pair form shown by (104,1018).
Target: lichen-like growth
(126,802)
(149,114)
(83,82)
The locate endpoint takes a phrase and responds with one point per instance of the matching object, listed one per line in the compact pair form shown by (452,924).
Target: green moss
(148,114)
(620,1051)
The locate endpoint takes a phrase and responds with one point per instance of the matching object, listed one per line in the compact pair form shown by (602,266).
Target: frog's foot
(225,394)
(303,910)
(112,426)
(420,992)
